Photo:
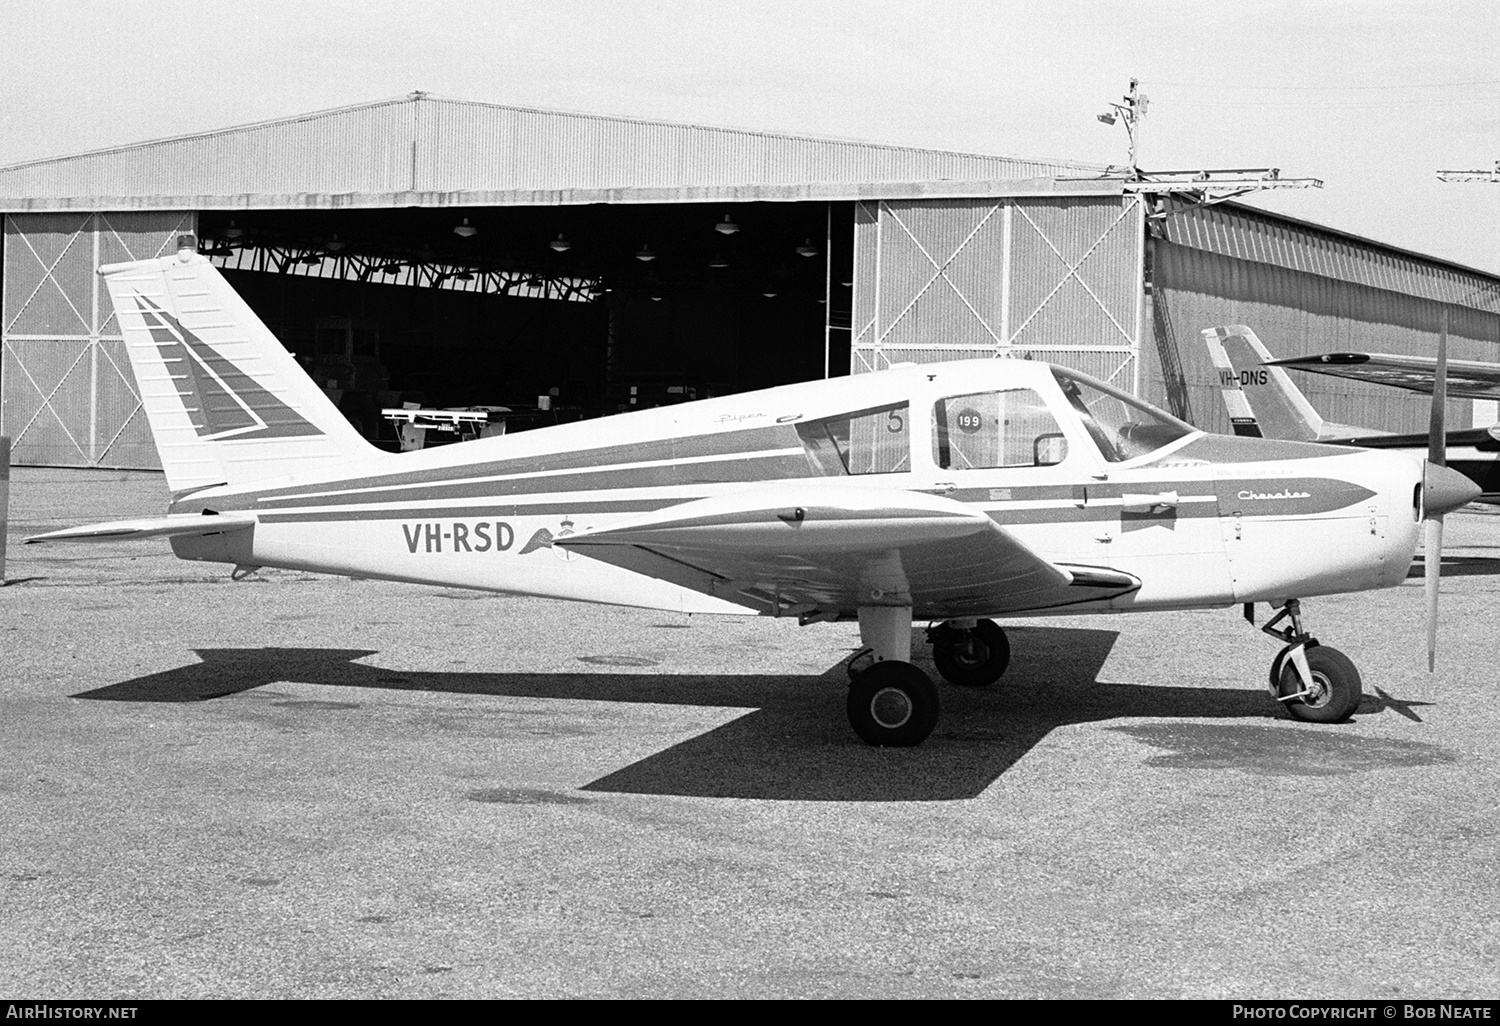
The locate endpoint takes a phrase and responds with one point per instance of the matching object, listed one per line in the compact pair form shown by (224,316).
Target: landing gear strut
(1316,683)
(970,653)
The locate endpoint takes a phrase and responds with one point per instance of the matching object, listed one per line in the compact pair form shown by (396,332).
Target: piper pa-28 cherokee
(947,493)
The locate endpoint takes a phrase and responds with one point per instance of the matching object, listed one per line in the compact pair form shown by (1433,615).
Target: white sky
(1371,96)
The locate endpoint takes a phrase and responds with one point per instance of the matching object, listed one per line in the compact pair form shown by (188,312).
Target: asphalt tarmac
(306,787)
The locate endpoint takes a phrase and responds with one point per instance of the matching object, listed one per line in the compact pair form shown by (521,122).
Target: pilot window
(1121,425)
(986,430)
(867,442)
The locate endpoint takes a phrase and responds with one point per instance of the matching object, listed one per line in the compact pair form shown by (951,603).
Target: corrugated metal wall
(67,394)
(1055,278)
(1304,291)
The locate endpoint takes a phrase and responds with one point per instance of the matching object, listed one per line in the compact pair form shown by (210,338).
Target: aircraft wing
(1467,379)
(806,548)
(149,527)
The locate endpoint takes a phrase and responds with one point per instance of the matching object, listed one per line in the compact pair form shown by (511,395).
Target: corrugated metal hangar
(448,253)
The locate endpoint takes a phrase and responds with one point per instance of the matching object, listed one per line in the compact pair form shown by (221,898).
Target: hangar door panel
(1051,278)
(67,394)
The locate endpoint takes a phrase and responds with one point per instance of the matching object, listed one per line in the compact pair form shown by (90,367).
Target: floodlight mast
(1130,112)
(1203,186)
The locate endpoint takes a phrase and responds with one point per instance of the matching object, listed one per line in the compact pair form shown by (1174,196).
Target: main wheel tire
(893,704)
(1336,687)
(973,658)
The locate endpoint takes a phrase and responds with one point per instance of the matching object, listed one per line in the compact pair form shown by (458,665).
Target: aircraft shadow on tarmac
(1459,566)
(793,743)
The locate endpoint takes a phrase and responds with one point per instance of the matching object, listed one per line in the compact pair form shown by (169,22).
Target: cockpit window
(1122,426)
(868,442)
(995,429)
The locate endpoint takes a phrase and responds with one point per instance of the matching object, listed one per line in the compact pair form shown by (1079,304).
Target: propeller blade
(1432,559)
(1437,434)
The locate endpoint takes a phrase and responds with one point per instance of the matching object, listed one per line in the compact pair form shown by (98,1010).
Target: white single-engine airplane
(947,493)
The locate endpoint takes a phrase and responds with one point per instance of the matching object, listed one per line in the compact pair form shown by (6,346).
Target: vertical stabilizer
(1262,401)
(226,402)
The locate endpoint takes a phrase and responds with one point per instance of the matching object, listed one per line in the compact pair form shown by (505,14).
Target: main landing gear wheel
(893,704)
(970,658)
(1334,693)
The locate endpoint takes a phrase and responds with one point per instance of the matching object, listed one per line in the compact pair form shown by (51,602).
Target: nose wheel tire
(1334,693)
(893,704)
(971,658)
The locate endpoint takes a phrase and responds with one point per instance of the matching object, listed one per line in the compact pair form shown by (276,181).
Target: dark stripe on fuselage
(748,443)
(499,509)
(1251,497)
(752,467)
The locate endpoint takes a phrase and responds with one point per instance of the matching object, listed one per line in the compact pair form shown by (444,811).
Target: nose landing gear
(1315,683)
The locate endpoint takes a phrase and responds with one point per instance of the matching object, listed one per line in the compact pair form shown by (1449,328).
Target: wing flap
(171,525)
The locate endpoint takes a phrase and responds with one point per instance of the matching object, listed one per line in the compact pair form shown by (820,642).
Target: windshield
(1122,426)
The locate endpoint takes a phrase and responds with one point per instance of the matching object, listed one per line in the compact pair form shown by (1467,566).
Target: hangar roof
(422,150)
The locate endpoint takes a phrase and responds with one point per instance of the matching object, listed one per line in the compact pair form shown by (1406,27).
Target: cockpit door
(1005,451)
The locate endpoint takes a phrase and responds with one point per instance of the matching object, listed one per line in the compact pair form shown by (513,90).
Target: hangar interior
(599,308)
(440,253)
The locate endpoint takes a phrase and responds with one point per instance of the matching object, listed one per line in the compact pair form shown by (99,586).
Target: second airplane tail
(227,403)
(1262,401)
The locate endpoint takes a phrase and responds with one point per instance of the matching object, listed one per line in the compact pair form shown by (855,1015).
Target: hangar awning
(420,150)
(749,193)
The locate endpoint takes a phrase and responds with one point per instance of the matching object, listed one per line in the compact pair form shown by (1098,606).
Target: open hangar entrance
(598,308)
(575,311)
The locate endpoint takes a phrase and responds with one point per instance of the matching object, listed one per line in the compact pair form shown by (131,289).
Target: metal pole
(4,499)
(828,295)
(1133,122)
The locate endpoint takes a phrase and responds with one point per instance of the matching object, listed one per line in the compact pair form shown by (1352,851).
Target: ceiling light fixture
(718,261)
(645,255)
(232,232)
(466,230)
(807,249)
(726,226)
(335,244)
(561,244)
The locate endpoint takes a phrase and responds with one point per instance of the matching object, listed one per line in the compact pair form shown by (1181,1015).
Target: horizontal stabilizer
(178,525)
